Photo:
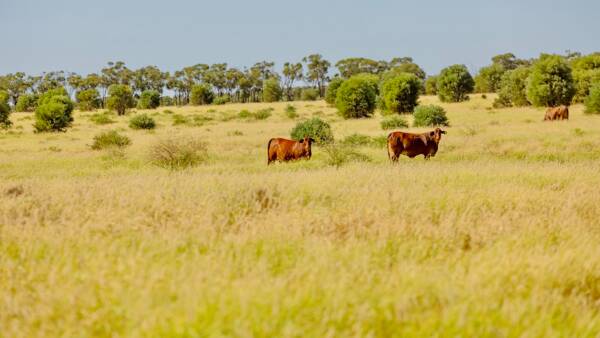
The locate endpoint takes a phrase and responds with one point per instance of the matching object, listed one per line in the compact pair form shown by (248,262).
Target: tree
(509,61)
(4,110)
(201,94)
(148,78)
(26,103)
(120,98)
(353,66)
(291,72)
(15,85)
(53,112)
(356,97)
(550,82)
(488,79)
(331,92)
(317,71)
(592,102)
(88,99)
(513,88)
(431,85)
(586,71)
(454,83)
(399,94)
(149,99)
(271,90)
(406,65)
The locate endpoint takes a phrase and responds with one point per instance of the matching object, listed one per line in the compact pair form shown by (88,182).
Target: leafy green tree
(513,88)
(4,110)
(331,92)
(454,83)
(291,72)
(120,98)
(149,99)
(15,85)
(309,94)
(550,82)
(88,99)
(317,71)
(353,66)
(148,78)
(431,85)
(489,78)
(430,116)
(26,103)
(399,94)
(356,97)
(592,102)
(53,112)
(201,94)
(271,90)
(406,65)
(317,129)
(586,71)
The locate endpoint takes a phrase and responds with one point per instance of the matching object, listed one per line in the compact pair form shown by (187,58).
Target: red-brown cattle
(412,145)
(557,113)
(280,149)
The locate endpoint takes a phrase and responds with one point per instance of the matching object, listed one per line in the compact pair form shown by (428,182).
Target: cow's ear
(432,133)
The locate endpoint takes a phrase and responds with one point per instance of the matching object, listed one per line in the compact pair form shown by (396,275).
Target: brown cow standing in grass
(280,149)
(411,145)
(557,113)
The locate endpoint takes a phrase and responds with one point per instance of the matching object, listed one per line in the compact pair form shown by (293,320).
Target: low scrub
(142,121)
(393,122)
(180,153)
(110,139)
(290,112)
(430,116)
(316,128)
(340,154)
(101,118)
(357,140)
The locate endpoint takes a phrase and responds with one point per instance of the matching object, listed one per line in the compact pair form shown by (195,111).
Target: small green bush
(142,121)
(168,112)
(245,114)
(551,82)
(316,128)
(4,111)
(431,85)
(53,112)
(454,83)
(223,99)
(263,114)
(331,92)
(357,140)
(26,103)
(101,118)
(513,87)
(592,102)
(356,97)
(201,94)
(120,99)
(393,122)
(179,119)
(290,112)
(149,99)
(167,101)
(110,139)
(272,91)
(339,154)
(88,100)
(309,94)
(178,153)
(399,93)
(430,116)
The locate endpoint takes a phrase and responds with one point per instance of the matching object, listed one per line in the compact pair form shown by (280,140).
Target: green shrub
(26,103)
(290,112)
(592,102)
(167,111)
(179,119)
(223,99)
(201,94)
(399,94)
(331,92)
(88,100)
(271,90)
(110,139)
(101,118)
(454,83)
(309,94)
(489,78)
(142,121)
(149,99)
(167,101)
(4,111)
(245,114)
(356,97)
(512,90)
(263,114)
(178,153)
(53,112)
(120,98)
(316,128)
(393,122)
(357,140)
(380,141)
(431,85)
(430,116)
(550,83)
(339,154)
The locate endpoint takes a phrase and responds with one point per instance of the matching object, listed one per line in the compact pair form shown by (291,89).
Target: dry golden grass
(498,235)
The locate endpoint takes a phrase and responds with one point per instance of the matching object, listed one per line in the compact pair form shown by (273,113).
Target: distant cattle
(412,145)
(280,149)
(557,113)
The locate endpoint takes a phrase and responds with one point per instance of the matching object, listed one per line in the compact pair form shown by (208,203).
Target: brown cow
(557,113)
(280,149)
(411,145)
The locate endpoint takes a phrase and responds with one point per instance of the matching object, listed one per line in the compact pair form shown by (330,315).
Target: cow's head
(306,143)
(436,134)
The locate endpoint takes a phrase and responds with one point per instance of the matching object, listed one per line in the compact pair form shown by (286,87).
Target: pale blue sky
(81,36)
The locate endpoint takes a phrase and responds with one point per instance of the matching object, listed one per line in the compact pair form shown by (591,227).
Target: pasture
(498,235)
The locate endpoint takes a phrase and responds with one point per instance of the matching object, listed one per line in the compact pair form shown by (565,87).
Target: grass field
(496,236)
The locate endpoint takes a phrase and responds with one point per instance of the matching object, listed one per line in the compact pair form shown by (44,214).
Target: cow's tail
(390,141)
(268,149)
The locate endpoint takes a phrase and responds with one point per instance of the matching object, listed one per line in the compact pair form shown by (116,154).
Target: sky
(83,35)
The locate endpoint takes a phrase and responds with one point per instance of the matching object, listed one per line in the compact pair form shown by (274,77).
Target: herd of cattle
(398,142)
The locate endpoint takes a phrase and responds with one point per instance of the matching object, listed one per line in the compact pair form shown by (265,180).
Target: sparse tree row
(359,87)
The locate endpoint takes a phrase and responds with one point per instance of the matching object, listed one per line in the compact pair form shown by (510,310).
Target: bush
(592,102)
(54,111)
(430,116)
(356,97)
(331,92)
(489,78)
(223,99)
(4,110)
(316,128)
(178,153)
(26,103)
(263,114)
(142,121)
(110,139)
(337,155)
(120,98)
(290,112)
(245,114)
(88,100)
(583,81)
(393,122)
(201,94)
(166,101)
(357,140)
(309,94)
(271,90)
(101,118)
(550,83)
(513,88)
(454,83)
(149,99)
(399,94)
(431,85)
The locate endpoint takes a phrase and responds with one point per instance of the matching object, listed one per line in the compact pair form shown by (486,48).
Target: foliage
(357,140)
(393,122)
(353,66)
(356,97)
(54,111)
(316,128)
(399,94)
(201,94)
(513,88)
(454,83)
(430,116)
(101,118)
(309,94)
(592,102)
(406,65)
(583,80)
(317,71)
(340,154)
(167,101)
(110,139)
(120,98)
(550,83)
(142,121)
(88,99)
(4,110)
(263,114)
(489,78)
(272,91)
(431,85)
(223,99)
(149,99)
(291,73)
(26,103)
(178,153)
(331,91)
